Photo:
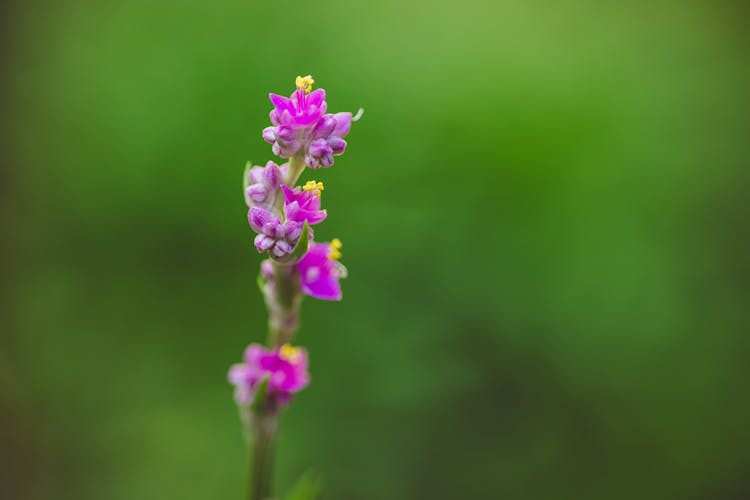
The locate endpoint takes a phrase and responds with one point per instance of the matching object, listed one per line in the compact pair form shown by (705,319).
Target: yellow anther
(304,82)
(334,249)
(317,187)
(289,353)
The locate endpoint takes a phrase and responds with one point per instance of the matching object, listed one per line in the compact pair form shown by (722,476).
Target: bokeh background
(544,213)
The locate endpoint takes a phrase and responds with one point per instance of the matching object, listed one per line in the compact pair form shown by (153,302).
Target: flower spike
(282,214)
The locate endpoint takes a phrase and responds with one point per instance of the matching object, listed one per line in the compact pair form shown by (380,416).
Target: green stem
(283,314)
(263,431)
(296,166)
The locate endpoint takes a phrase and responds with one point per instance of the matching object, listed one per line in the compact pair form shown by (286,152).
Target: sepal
(261,395)
(246,176)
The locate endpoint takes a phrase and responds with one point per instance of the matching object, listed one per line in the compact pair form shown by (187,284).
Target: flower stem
(283,310)
(296,166)
(283,301)
(263,431)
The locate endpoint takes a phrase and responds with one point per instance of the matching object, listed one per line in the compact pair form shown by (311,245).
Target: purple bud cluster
(262,184)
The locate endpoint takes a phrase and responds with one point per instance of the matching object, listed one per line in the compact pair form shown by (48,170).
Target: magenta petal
(280,102)
(311,202)
(312,216)
(317,255)
(343,124)
(286,117)
(288,194)
(296,213)
(319,275)
(325,288)
(316,98)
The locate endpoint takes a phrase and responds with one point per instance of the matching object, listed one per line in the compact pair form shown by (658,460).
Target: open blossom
(303,203)
(263,183)
(302,109)
(320,271)
(300,124)
(285,367)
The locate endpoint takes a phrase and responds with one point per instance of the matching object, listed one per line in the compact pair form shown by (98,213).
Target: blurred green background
(544,213)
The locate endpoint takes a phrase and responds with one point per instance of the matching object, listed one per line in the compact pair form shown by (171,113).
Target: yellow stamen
(334,249)
(304,82)
(289,353)
(317,187)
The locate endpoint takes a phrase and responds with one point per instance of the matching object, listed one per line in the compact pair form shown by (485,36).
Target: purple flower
(262,184)
(276,237)
(294,117)
(320,271)
(285,367)
(302,109)
(301,125)
(303,204)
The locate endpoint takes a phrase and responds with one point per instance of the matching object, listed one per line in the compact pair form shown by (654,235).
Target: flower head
(285,367)
(303,204)
(320,271)
(300,110)
(300,125)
